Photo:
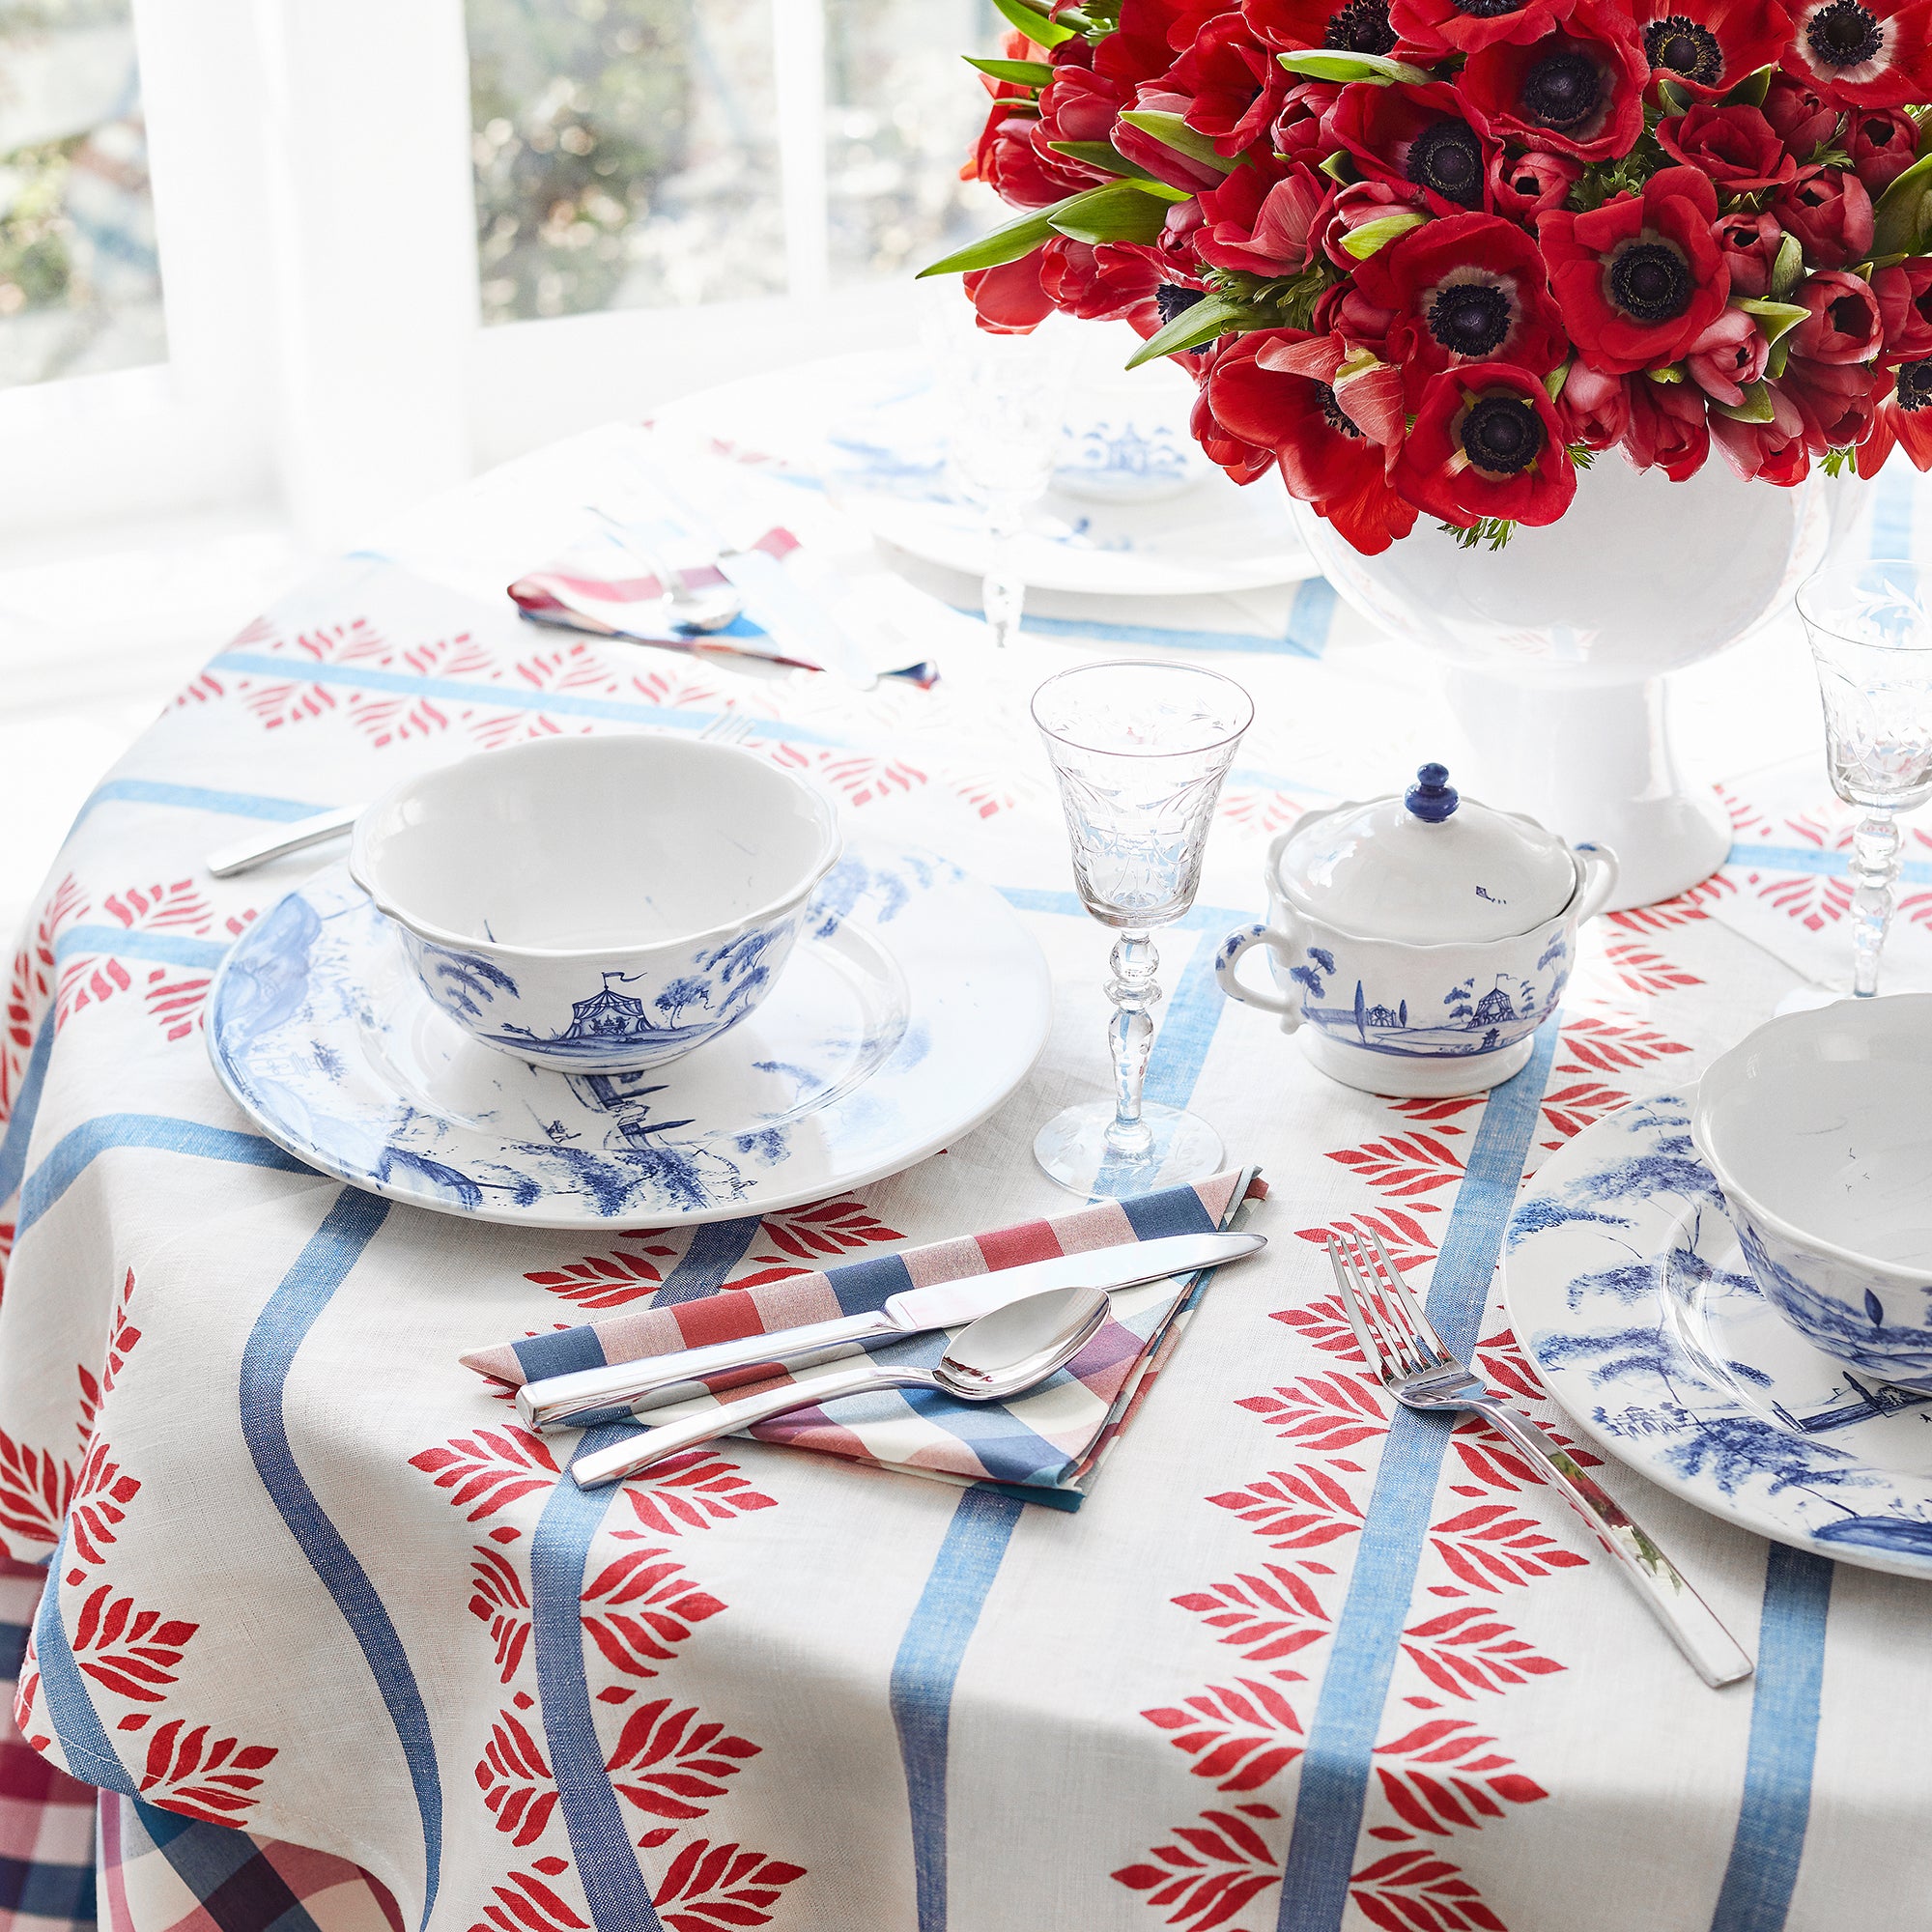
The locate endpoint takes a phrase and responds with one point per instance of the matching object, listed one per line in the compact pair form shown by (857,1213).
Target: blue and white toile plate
(1627,1284)
(914,1003)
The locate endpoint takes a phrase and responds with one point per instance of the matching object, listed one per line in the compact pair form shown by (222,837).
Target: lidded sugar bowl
(1417,941)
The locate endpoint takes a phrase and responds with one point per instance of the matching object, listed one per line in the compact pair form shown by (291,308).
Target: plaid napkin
(817,594)
(1044,1445)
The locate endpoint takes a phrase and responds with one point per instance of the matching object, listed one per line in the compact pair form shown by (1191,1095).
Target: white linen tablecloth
(1294,1663)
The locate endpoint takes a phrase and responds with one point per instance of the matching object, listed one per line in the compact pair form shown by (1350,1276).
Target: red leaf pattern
(1237,1734)
(1445,1773)
(214,1780)
(1417,1891)
(525,1903)
(1218,1865)
(500,1602)
(1267,1617)
(672,1765)
(490,1469)
(692,1497)
(712,1888)
(1321,1414)
(640,1606)
(515,1778)
(1405,1165)
(1644,971)
(131,1652)
(1295,1509)
(1469,1649)
(1491,1546)
(606,1281)
(1604,1043)
(1408,1242)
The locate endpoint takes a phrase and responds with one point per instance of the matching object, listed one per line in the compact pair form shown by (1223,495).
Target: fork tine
(1399,1344)
(1418,1320)
(1352,1308)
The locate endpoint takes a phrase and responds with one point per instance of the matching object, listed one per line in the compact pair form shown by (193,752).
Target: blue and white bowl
(1818,1129)
(599,905)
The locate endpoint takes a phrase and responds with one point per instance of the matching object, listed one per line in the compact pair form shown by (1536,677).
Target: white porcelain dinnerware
(1003,1353)
(1417,941)
(1630,1291)
(1140,749)
(1818,1129)
(598,904)
(914,1004)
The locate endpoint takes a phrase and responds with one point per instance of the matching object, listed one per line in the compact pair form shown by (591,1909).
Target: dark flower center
(1502,435)
(1171,299)
(1650,282)
(1361,27)
(1469,318)
(1561,89)
(1684,48)
(1878,132)
(1849,316)
(1447,158)
(1844,34)
(1914,384)
(1489,10)
(1332,411)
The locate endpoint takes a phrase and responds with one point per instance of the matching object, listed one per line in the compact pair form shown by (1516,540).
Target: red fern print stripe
(1215,1867)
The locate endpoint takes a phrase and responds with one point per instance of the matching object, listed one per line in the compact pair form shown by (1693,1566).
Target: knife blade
(573,1401)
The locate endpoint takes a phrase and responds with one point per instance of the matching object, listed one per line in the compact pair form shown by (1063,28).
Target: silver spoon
(1001,1354)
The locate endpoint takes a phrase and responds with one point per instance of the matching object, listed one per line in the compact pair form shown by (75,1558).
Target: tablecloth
(1295,1663)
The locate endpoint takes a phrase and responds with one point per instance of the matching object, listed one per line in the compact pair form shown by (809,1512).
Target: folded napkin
(817,594)
(1044,1445)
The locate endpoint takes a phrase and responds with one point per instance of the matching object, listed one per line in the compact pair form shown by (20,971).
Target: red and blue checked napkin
(1044,1445)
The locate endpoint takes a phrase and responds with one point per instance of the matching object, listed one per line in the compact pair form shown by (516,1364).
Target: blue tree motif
(1309,977)
(1460,1000)
(1555,950)
(469,982)
(681,993)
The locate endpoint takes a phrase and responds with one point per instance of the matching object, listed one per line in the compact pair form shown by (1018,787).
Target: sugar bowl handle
(1227,962)
(1599,879)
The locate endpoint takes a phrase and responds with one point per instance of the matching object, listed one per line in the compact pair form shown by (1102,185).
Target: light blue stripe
(71,1155)
(607,1867)
(1810,858)
(1892,512)
(1776,1808)
(927,1668)
(1161,637)
(26,1104)
(197,797)
(1311,617)
(83,1738)
(168,949)
(505,696)
(280,1332)
(1355,1686)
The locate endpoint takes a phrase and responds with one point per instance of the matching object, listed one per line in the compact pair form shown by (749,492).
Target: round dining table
(329,1638)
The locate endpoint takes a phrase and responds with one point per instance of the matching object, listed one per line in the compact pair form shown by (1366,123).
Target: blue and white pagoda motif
(609,1015)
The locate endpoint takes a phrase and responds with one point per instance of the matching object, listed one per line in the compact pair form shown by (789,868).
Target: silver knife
(562,1402)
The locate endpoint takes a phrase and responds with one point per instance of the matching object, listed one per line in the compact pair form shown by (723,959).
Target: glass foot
(1072,1149)
(1811,998)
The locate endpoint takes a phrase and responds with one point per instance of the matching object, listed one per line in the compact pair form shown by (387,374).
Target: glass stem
(1134,994)
(1003,590)
(1874,874)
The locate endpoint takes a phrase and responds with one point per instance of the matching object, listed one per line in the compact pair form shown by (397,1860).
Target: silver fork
(1398,1342)
(728,728)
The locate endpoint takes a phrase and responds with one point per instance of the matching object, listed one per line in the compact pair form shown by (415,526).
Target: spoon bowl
(1002,1354)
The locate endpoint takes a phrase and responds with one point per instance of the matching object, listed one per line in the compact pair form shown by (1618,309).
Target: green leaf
(1034,23)
(1675,99)
(1171,131)
(1027,74)
(1210,317)
(1780,354)
(1787,269)
(1363,242)
(1666,371)
(1120,212)
(1903,216)
(1006,244)
(1319,65)
(1757,406)
(1751,91)
(1553,383)
(1775,318)
(1338,167)
(1100,154)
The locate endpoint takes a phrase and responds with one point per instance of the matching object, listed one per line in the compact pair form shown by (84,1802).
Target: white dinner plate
(914,1004)
(1628,1287)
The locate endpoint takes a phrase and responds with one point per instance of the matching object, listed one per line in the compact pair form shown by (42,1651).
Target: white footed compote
(1140,750)
(1871,639)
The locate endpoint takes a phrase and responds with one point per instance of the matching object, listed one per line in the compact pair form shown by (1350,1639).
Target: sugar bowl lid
(1428,868)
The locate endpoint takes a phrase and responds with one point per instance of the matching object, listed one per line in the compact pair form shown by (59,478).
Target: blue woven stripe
(927,1668)
(716,1249)
(280,1332)
(861,1287)
(1355,1686)
(12,1649)
(57,1892)
(170,948)
(83,1739)
(1810,858)
(196,798)
(607,1867)
(20,1129)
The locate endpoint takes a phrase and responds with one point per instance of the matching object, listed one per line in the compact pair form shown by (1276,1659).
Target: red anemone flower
(1341,26)
(1009,299)
(1262,223)
(1234,83)
(1462,26)
(1328,458)
(1486,443)
(1578,89)
(1704,47)
(1864,53)
(1428,136)
(1669,427)
(1467,289)
(1904,418)
(1639,279)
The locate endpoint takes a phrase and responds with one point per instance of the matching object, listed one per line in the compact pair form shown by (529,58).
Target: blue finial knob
(1432,797)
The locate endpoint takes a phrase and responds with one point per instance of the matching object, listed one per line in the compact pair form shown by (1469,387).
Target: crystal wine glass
(1871,639)
(1140,750)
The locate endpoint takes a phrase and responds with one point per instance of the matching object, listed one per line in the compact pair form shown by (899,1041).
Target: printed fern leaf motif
(1237,1733)
(1267,1616)
(490,1469)
(1216,1867)
(1295,1509)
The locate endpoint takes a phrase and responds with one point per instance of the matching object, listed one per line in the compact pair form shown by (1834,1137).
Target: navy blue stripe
(59,1892)
(716,1249)
(170,948)
(83,1739)
(280,1332)
(861,1287)
(1770,1840)
(26,1104)
(1173,1210)
(927,1668)
(69,1156)
(226,1871)
(1354,1686)
(198,798)
(12,1648)
(562,1353)
(607,1867)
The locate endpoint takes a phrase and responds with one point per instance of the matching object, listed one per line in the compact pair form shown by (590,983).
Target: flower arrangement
(1428,257)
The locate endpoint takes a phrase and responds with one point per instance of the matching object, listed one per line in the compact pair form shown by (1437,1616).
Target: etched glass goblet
(1140,752)
(1871,639)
